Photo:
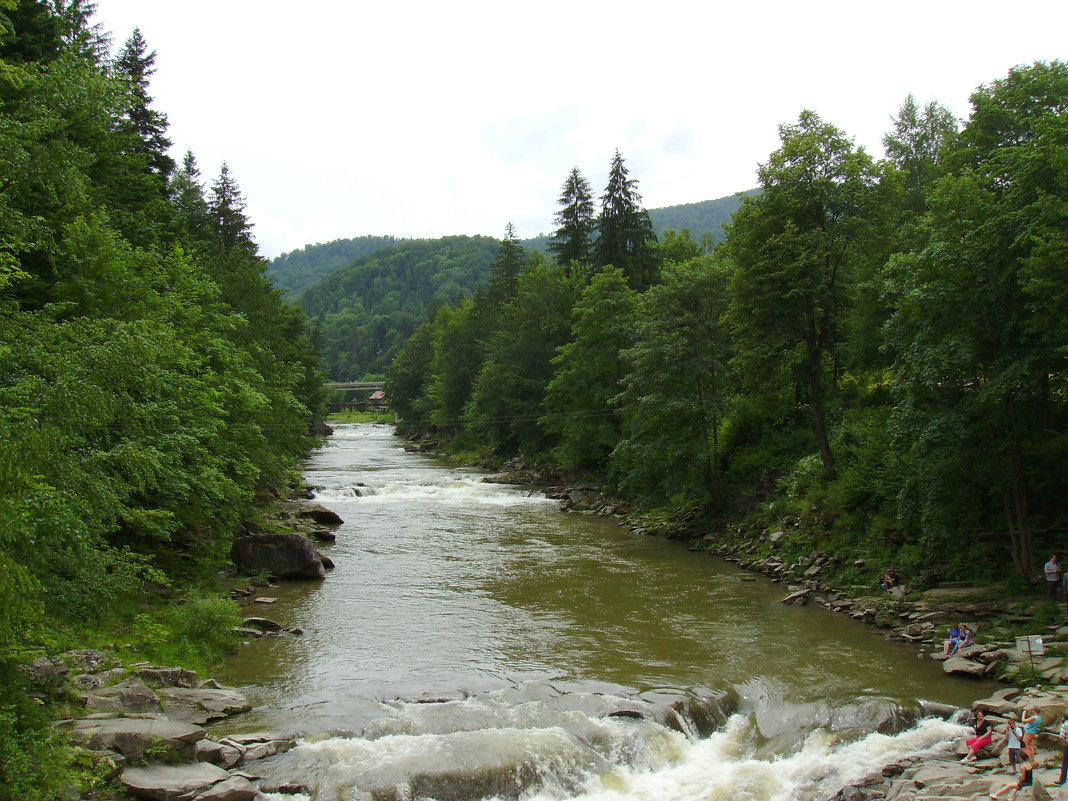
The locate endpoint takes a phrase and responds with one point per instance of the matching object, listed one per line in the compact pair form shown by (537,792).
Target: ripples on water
(537,624)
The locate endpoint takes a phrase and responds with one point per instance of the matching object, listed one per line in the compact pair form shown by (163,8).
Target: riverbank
(129,726)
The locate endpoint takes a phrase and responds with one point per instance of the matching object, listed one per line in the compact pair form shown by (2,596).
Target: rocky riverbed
(941,774)
(143,727)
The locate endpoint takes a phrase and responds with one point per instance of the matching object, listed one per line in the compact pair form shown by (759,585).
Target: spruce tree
(504,272)
(136,65)
(626,237)
(188,195)
(230,228)
(576,223)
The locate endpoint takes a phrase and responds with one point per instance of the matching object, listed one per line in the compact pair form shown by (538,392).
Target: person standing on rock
(1063,732)
(1053,577)
(1014,740)
(1032,723)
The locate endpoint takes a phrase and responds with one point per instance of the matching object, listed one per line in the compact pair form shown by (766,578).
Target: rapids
(475,641)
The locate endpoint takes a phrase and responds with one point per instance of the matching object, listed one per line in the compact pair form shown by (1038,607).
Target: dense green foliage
(366,310)
(152,382)
(878,346)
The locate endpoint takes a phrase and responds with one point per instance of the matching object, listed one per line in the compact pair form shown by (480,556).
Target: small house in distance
(377,399)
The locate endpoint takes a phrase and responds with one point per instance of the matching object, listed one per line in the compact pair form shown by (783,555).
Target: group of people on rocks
(960,636)
(1021,740)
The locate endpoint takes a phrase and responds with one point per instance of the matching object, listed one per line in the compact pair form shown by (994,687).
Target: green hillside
(298,269)
(366,310)
(705,217)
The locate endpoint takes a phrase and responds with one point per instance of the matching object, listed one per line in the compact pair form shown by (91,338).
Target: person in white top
(1014,736)
(1053,577)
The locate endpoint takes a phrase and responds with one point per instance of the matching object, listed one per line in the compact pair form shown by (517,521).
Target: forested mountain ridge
(295,270)
(365,311)
(705,220)
(878,348)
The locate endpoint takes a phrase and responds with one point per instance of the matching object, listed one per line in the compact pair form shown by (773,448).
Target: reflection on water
(448,586)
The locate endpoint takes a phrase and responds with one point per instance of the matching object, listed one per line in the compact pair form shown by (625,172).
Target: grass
(354,416)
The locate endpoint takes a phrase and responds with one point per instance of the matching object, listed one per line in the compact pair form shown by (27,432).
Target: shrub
(196,634)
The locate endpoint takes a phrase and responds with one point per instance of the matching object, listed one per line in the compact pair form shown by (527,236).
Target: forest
(877,346)
(155,390)
(367,295)
(365,311)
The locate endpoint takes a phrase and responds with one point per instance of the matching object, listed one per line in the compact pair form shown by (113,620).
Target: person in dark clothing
(1027,767)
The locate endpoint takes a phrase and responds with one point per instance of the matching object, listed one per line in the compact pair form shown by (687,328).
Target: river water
(475,641)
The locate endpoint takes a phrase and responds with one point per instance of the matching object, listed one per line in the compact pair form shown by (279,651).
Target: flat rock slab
(262,623)
(132,695)
(966,667)
(172,782)
(200,706)
(236,788)
(131,736)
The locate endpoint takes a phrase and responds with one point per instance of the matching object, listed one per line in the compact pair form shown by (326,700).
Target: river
(476,641)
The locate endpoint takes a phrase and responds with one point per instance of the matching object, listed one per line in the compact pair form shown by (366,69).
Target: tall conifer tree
(136,65)
(576,223)
(504,272)
(626,237)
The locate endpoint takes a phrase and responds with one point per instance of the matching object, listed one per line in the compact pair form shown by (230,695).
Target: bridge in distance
(356,385)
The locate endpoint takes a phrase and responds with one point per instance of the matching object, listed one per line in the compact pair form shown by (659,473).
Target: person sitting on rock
(965,638)
(1027,767)
(950,645)
(890,580)
(984,735)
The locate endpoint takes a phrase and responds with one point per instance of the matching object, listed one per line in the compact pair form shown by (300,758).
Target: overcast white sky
(340,118)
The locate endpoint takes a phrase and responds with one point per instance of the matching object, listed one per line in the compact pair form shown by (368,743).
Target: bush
(1047,613)
(195,634)
(33,760)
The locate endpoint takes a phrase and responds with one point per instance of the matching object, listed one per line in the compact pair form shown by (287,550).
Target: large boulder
(216,753)
(321,515)
(50,675)
(172,782)
(284,555)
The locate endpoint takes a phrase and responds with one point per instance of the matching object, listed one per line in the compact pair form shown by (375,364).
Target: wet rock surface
(290,555)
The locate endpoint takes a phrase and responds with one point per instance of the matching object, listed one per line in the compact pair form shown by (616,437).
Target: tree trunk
(1016,503)
(819,412)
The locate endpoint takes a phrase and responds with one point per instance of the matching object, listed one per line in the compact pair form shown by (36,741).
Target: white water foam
(585,758)
(448,490)
(720,767)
